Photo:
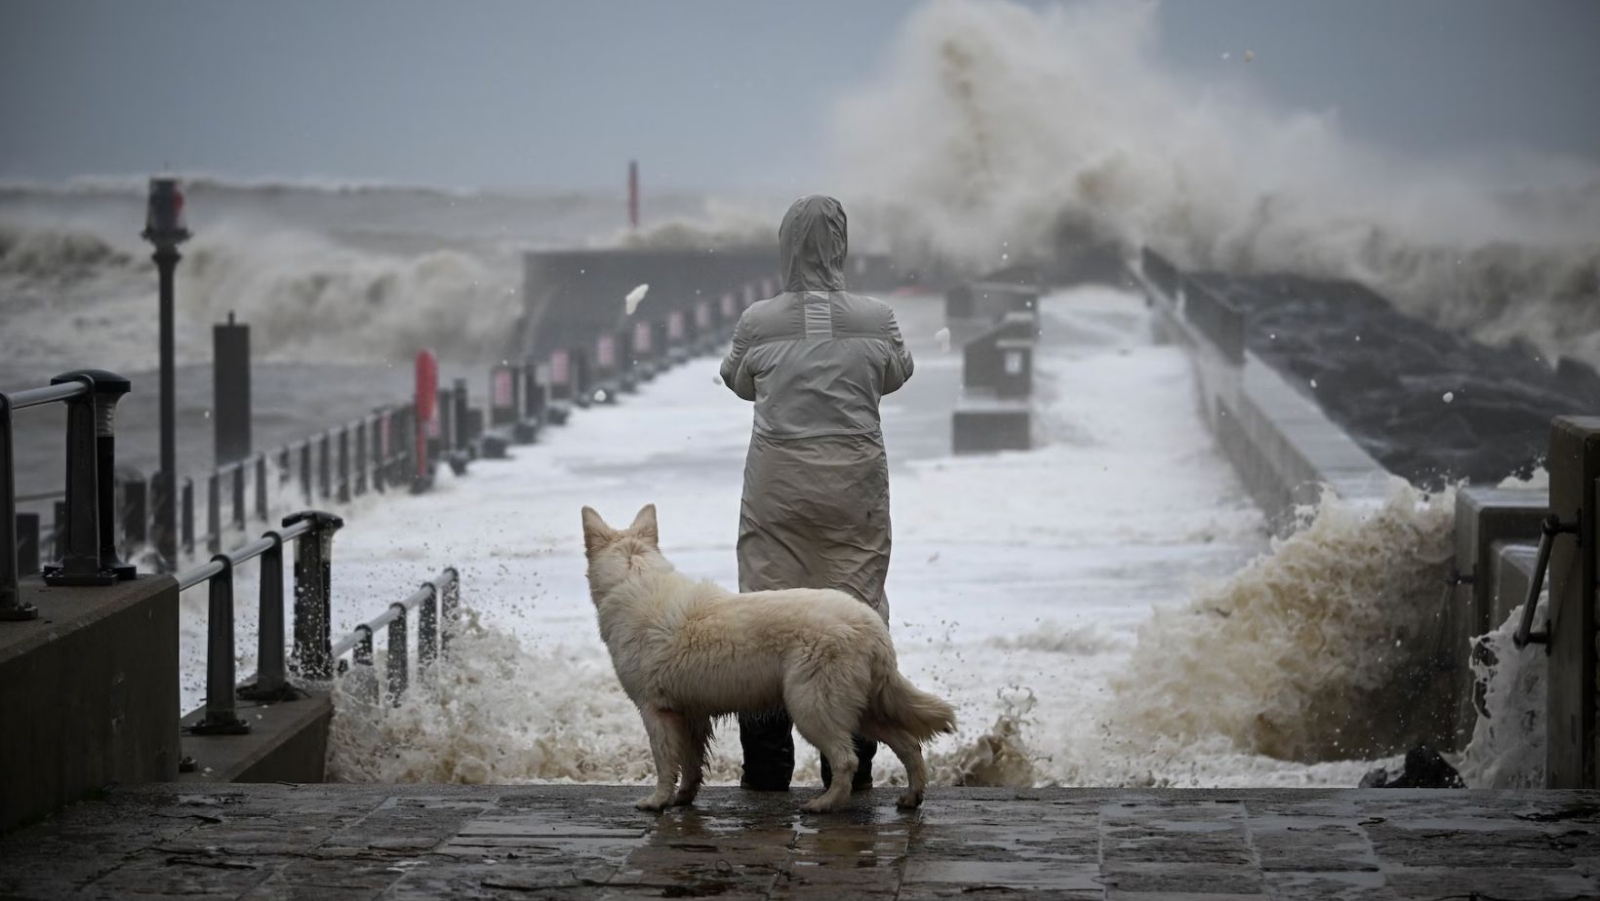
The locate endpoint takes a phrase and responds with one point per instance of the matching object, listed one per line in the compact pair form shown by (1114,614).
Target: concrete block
(1485,518)
(287,742)
(88,693)
(989,426)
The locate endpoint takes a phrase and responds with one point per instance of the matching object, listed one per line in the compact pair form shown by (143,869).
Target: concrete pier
(392,842)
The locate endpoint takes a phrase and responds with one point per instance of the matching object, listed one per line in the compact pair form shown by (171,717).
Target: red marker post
(427,407)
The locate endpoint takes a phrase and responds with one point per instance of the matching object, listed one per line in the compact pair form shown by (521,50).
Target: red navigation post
(633,194)
(427,407)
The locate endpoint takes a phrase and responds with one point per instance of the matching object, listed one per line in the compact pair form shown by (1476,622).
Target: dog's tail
(914,711)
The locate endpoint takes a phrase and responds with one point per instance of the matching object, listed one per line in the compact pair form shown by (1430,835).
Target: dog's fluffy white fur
(687,651)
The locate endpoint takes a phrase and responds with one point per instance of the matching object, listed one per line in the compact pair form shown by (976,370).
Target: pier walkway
(468,842)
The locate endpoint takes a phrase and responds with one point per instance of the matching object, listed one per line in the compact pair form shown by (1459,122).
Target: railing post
(428,634)
(27,544)
(305,472)
(261,487)
(285,457)
(313,572)
(344,465)
(361,458)
(397,668)
(108,391)
(213,514)
(58,528)
(79,556)
(135,513)
(271,683)
(325,465)
(188,513)
(11,606)
(449,608)
(220,716)
(367,673)
(238,495)
(380,449)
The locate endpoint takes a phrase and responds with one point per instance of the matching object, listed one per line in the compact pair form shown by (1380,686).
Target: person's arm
(735,374)
(900,365)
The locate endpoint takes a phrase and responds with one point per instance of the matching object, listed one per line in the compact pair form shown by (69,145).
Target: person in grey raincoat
(815,513)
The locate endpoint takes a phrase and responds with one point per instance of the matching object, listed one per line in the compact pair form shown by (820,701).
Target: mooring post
(230,390)
(313,580)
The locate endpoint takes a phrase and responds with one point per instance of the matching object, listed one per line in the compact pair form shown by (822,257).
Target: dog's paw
(909,800)
(654,802)
(819,804)
(683,799)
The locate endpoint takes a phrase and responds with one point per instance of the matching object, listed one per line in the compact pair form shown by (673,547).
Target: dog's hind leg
(909,750)
(661,726)
(694,758)
(829,731)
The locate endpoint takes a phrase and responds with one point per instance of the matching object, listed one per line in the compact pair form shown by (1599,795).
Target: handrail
(38,397)
(437,601)
(1549,529)
(313,533)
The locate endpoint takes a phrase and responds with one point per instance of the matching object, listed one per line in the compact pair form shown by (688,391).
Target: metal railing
(314,653)
(312,533)
(86,547)
(438,606)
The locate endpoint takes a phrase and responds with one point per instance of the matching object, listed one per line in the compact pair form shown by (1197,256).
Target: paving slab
(277,841)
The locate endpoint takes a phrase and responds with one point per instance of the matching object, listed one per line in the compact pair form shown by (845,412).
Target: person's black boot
(865,749)
(768,745)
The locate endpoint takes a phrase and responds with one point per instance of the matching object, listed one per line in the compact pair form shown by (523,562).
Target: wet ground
(393,842)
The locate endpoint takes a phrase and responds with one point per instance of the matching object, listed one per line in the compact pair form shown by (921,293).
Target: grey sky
(706,93)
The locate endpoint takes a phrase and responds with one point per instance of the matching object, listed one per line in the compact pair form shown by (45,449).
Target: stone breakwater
(1431,405)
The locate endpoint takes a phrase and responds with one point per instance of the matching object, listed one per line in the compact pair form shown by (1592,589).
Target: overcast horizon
(706,94)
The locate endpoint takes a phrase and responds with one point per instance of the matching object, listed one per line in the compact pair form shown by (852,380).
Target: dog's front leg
(696,734)
(661,747)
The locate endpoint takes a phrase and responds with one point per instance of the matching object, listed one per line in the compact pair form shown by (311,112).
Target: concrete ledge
(88,693)
(287,742)
(1284,448)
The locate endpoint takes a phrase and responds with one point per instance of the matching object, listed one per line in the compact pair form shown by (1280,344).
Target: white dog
(687,651)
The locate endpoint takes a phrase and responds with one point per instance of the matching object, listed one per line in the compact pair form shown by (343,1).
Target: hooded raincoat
(816,359)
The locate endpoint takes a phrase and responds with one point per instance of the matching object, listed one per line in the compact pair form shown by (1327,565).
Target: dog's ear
(595,530)
(644,525)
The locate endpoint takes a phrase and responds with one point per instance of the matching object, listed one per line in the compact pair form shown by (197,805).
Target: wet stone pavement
(468,842)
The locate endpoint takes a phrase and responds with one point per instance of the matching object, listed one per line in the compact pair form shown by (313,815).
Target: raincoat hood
(811,243)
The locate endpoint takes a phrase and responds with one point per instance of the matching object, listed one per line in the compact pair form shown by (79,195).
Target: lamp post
(164,228)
